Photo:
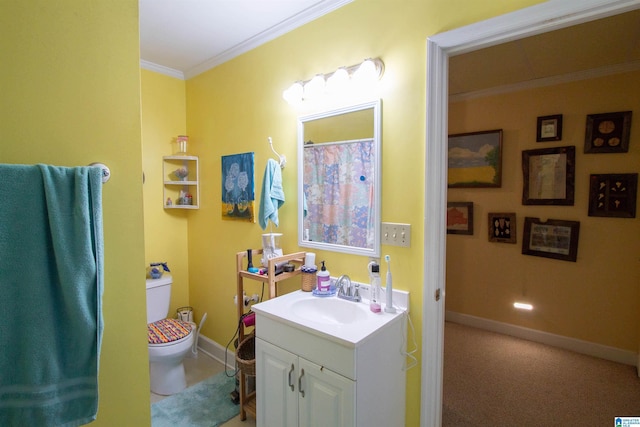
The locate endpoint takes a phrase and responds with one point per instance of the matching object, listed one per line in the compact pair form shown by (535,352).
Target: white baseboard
(216,351)
(584,347)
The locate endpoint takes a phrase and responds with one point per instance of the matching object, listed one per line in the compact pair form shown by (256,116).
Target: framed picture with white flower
(238,195)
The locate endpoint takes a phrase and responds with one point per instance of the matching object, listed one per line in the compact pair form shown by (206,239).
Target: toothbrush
(389,308)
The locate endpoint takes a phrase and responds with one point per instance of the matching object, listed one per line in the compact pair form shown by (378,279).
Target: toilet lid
(167,330)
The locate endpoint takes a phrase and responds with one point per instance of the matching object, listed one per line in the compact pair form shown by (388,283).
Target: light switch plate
(396,234)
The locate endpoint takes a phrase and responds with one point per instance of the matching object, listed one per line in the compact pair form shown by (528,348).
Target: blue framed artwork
(238,190)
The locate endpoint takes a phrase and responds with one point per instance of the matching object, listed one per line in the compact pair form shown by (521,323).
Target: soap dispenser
(324,280)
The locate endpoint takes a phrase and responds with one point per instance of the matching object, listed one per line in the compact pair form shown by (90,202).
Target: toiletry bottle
(374,273)
(324,281)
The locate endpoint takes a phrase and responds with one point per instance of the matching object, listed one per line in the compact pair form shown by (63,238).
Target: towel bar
(106,172)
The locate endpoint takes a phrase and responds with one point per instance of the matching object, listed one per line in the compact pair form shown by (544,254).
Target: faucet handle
(356,294)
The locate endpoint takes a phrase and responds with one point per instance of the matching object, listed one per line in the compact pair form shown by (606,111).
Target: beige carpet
(497,380)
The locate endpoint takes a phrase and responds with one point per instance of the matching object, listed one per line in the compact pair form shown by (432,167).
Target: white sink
(347,322)
(331,311)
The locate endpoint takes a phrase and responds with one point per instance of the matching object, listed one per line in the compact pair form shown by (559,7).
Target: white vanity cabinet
(296,392)
(306,377)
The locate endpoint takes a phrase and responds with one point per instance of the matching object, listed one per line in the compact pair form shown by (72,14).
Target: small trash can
(185,314)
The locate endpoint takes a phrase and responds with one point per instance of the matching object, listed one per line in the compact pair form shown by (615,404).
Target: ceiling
(588,50)
(184,38)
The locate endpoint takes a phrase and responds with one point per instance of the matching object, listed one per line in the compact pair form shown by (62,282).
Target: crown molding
(269,34)
(533,20)
(161,69)
(548,81)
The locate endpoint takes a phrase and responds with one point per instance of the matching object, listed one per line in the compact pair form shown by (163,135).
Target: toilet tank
(158,297)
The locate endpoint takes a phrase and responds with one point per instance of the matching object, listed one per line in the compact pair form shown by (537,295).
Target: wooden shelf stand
(247,400)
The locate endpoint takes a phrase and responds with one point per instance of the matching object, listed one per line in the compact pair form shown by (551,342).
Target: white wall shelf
(182,194)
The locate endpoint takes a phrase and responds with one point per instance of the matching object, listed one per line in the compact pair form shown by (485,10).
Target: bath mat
(206,404)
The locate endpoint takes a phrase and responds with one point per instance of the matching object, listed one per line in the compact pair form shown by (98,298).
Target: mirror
(339,180)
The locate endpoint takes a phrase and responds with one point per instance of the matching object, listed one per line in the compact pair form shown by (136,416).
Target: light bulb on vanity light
(314,87)
(367,72)
(293,94)
(338,81)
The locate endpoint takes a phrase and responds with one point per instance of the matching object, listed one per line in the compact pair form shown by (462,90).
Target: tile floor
(200,368)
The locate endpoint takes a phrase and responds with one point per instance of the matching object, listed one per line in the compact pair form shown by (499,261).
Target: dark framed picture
(502,227)
(549,176)
(613,195)
(475,159)
(549,128)
(554,238)
(460,218)
(608,132)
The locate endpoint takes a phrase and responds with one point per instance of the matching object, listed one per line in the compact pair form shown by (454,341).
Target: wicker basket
(246,355)
(308,281)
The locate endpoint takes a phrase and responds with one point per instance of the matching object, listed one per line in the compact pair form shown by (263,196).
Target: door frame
(544,17)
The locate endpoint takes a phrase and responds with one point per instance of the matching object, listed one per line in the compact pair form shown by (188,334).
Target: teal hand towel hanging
(272,197)
(51,282)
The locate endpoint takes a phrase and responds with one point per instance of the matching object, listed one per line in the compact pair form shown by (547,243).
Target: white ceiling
(596,48)
(184,38)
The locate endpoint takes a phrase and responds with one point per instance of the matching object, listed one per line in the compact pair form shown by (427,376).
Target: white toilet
(169,339)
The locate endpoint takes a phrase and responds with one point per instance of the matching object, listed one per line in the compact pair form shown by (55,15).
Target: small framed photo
(549,176)
(460,218)
(613,195)
(557,239)
(549,128)
(502,227)
(608,133)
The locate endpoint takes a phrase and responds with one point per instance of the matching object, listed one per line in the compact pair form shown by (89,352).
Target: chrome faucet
(347,289)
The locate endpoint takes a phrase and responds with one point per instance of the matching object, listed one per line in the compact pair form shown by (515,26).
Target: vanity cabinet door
(327,399)
(276,386)
(291,391)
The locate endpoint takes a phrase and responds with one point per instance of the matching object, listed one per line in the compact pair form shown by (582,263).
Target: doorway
(545,17)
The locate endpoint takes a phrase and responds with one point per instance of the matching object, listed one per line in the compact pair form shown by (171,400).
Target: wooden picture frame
(475,159)
(613,195)
(608,132)
(549,128)
(502,227)
(554,238)
(549,176)
(460,218)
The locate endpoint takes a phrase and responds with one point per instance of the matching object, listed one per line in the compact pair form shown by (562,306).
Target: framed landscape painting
(475,159)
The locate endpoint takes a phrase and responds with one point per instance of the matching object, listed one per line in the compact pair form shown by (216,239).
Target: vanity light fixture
(523,306)
(314,87)
(361,75)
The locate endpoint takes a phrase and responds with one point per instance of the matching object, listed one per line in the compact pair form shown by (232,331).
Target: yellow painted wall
(594,299)
(163,118)
(71,96)
(234,107)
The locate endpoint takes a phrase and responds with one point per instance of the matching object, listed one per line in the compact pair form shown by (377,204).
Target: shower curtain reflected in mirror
(339,188)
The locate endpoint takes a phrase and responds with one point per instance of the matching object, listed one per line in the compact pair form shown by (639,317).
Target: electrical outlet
(245,299)
(396,234)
